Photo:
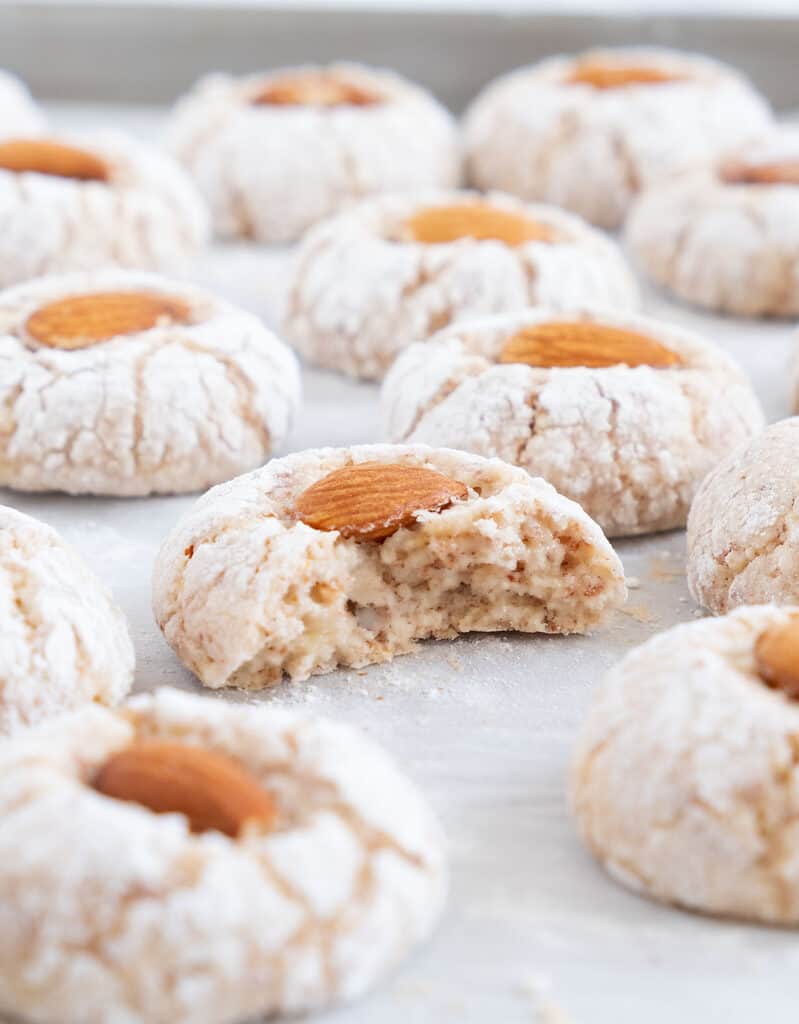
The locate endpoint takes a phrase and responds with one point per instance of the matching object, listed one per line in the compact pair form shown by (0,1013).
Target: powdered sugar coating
(358,296)
(743,529)
(245,592)
(728,247)
(538,136)
(113,913)
(174,408)
(270,172)
(63,640)
(685,783)
(148,214)
(19,115)
(629,444)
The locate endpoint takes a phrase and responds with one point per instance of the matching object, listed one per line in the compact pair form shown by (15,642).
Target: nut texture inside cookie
(440,225)
(42,156)
(371,501)
(79,321)
(578,343)
(777,657)
(316,90)
(608,75)
(784,172)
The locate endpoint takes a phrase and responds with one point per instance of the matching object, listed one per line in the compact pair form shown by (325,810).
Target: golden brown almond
(210,789)
(777,657)
(315,90)
(372,500)
(437,225)
(41,156)
(608,75)
(738,172)
(83,320)
(582,343)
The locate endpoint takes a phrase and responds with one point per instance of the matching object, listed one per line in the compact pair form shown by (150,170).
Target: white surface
(485,725)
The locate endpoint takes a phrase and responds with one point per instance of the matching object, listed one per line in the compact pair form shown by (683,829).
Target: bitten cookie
(120,382)
(743,529)
(347,556)
(726,236)
(623,414)
(94,201)
(191,861)
(63,641)
(685,783)
(18,113)
(587,132)
(397,269)
(274,153)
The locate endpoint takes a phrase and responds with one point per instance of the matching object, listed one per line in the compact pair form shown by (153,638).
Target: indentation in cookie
(315,89)
(586,344)
(608,74)
(776,172)
(439,225)
(79,321)
(777,657)
(44,156)
(373,500)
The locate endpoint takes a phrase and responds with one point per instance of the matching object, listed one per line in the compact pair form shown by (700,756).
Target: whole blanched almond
(315,89)
(41,156)
(784,172)
(211,790)
(83,320)
(601,75)
(777,657)
(372,500)
(438,225)
(582,343)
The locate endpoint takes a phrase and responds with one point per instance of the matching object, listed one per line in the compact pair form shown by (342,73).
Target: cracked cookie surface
(368,283)
(18,112)
(743,528)
(628,443)
(113,912)
(685,783)
(63,640)
(178,402)
(245,591)
(275,153)
(550,133)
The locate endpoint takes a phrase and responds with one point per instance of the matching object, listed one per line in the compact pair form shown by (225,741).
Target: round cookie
(274,153)
(18,113)
(396,269)
(348,556)
(587,132)
(743,529)
(89,202)
(121,382)
(623,414)
(314,867)
(726,236)
(63,640)
(685,783)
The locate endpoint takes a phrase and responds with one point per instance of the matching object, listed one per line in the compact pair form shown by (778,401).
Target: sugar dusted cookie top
(18,113)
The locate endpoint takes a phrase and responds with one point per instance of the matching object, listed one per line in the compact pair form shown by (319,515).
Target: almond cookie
(623,414)
(743,529)
(274,153)
(685,783)
(18,112)
(348,556)
(587,132)
(121,382)
(186,860)
(90,202)
(63,641)
(397,269)
(726,236)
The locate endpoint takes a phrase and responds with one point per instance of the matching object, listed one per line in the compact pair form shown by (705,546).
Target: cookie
(348,556)
(121,382)
(743,528)
(395,270)
(726,236)
(587,132)
(623,414)
(274,153)
(296,867)
(18,112)
(85,203)
(63,640)
(685,783)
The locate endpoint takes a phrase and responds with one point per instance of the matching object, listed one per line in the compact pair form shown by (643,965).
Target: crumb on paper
(537,989)
(664,569)
(640,613)
(454,661)
(633,582)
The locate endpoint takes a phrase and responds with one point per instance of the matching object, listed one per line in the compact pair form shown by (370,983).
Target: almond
(83,320)
(601,75)
(314,90)
(210,789)
(372,500)
(41,156)
(581,343)
(438,225)
(777,657)
(784,172)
